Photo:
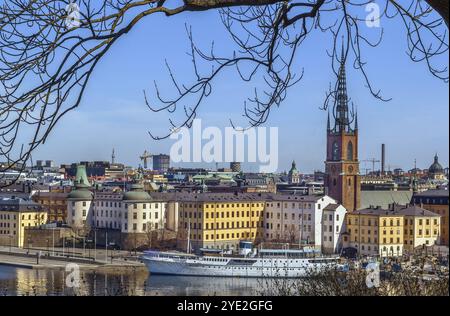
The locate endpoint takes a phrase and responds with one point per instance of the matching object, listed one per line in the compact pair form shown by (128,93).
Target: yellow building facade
(15,217)
(436,201)
(375,232)
(391,233)
(421,229)
(220,221)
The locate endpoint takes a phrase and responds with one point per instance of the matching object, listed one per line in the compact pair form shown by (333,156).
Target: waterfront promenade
(58,258)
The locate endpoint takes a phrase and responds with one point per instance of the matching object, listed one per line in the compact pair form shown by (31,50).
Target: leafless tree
(335,282)
(48,53)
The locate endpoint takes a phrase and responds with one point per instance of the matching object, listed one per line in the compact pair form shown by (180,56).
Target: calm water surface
(18,281)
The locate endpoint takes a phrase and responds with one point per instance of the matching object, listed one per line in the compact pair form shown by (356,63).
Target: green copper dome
(293,168)
(137,193)
(81,192)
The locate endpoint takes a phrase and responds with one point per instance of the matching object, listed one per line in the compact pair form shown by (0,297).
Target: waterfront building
(342,180)
(15,216)
(219,220)
(54,202)
(333,228)
(305,219)
(134,211)
(79,201)
(130,218)
(375,232)
(391,232)
(421,227)
(79,207)
(435,201)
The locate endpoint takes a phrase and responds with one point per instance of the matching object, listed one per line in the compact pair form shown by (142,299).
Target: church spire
(328,122)
(342,120)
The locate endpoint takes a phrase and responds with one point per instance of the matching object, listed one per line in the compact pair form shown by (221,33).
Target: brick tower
(342,180)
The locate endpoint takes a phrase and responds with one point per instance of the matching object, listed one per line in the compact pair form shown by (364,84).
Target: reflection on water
(17,281)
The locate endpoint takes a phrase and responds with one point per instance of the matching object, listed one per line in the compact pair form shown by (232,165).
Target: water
(18,281)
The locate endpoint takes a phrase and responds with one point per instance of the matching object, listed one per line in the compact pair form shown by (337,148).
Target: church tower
(342,180)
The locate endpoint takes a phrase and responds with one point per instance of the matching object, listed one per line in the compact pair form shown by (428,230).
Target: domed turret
(136,193)
(436,171)
(81,192)
(294,175)
(436,166)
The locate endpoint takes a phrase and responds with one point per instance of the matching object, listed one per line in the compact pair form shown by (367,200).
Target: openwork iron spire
(342,120)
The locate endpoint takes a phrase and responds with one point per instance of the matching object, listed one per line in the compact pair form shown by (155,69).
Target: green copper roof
(137,193)
(81,192)
(293,168)
(81,175)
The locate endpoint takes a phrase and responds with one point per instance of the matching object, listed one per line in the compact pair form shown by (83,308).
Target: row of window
(224,236)
(293,227)
(226,225)
(115,225)
(229,214)
(375,240)
(190,205)
(7,216)
(420,233)
(7,232)
(294,205)
(3,225)
(24,217)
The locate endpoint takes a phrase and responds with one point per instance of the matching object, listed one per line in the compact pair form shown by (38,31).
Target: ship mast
(188,250)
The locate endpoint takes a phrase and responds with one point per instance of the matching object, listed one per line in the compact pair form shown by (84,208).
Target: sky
(113,114)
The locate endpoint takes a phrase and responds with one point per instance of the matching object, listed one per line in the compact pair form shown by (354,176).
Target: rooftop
(396,210)
(433,193)
(332,207)
(19,205)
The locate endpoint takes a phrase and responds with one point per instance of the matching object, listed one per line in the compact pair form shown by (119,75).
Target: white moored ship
(267,263)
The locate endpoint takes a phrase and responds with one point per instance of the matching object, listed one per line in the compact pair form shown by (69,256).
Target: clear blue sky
(413,125)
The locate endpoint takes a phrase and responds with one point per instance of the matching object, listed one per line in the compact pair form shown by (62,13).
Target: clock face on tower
(350,169)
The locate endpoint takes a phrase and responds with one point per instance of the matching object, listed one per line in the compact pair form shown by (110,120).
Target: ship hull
(225,267)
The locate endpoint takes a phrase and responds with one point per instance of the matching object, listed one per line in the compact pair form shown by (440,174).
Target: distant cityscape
(341,210)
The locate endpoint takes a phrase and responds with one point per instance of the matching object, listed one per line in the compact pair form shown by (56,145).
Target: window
(350,151)
(335,151)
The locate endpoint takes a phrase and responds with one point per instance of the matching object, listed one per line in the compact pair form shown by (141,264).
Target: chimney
(383,152)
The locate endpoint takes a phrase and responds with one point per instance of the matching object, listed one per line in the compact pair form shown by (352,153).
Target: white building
(294,218)
(79,207)
(333,226)
(134,211)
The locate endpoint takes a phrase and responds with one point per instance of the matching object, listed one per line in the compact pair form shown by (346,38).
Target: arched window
(334,182)
(335,151)
(350,151)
